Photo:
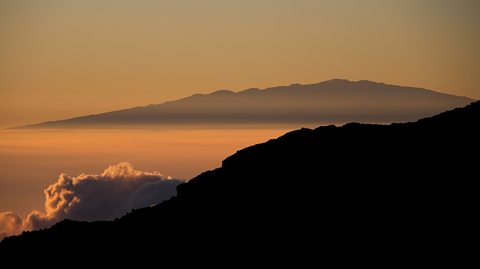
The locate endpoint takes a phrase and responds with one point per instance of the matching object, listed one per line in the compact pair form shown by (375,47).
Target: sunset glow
(60,59)
(122,119)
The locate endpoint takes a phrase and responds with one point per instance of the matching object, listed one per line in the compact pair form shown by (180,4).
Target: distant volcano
(333,101)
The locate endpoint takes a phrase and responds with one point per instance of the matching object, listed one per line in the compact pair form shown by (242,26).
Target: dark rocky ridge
(366,187)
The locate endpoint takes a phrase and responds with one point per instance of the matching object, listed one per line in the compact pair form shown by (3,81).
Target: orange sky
(65,58)
(32,160)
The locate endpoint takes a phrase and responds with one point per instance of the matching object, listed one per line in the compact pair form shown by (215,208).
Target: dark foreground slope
(329,101)
(355,186)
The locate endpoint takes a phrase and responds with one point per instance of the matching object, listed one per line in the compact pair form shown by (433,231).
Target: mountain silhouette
(359,186)
(333,101)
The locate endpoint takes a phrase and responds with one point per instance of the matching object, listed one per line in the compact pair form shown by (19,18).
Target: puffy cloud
(111,194)
(10,224)
(116,191)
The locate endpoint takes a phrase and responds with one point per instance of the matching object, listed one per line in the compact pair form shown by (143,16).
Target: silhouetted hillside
(336,101)
(374,188)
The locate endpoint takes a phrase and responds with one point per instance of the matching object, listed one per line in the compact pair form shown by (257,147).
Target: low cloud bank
(111,194)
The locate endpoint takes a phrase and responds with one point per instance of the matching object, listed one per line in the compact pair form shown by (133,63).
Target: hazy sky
(61,58)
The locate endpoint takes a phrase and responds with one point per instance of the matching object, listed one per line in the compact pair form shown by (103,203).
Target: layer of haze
(60,58)
(32,160)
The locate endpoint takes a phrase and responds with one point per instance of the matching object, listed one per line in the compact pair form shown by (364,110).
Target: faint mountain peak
(251,90)
(336,80)
(295,85)
(219,92)
(369,82)
(333,101)
(341,81)
(197,95)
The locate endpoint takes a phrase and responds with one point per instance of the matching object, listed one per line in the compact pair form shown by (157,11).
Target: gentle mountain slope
(388,186)
(335,101)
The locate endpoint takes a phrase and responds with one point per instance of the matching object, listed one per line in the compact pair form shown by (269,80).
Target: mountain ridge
(336,101)
(392,186)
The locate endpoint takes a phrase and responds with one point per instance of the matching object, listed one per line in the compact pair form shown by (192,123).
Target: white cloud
(111,194)
(10,224)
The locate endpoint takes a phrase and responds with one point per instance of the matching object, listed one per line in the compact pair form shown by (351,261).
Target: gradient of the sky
(62,58)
